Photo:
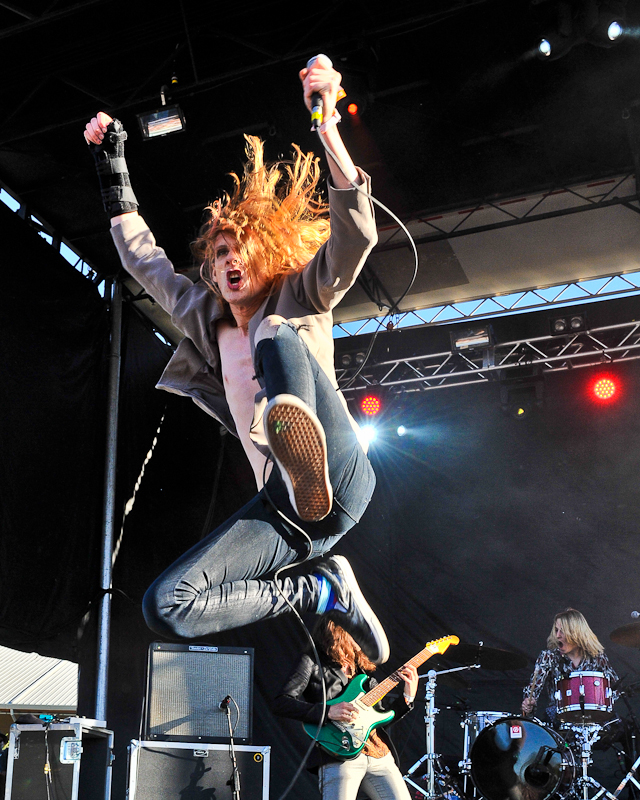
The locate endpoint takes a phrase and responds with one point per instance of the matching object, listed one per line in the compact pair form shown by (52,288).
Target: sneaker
(299,448)
(358,619)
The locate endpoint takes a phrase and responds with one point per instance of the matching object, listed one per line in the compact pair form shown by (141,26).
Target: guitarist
(374,770)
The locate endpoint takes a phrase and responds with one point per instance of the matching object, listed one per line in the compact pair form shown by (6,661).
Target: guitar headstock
(441,645)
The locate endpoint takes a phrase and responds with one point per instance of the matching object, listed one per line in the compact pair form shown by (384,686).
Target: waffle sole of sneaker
(365,611)
(298,444)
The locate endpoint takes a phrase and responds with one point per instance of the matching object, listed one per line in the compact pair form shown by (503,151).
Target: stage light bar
(162,122)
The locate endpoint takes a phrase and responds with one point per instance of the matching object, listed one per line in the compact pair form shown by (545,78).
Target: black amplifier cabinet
(78,752)
(186,684)
(179,770)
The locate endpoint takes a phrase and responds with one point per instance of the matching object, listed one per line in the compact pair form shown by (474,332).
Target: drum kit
(515,757)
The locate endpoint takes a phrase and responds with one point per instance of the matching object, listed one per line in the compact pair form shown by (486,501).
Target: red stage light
(370,405)
(352,108)
(604,389)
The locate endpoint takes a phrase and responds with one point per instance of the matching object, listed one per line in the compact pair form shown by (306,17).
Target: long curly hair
(274,213)
(577,632)
(338,645)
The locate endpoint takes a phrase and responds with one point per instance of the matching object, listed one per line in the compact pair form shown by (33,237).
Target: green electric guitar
(346,739)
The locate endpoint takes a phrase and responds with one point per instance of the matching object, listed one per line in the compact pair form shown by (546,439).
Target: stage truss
(420,373)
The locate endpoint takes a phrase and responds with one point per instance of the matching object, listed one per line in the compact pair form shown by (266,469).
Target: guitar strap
(375,747)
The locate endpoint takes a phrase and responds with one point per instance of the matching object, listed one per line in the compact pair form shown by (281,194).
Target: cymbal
(487,657)
(627,635)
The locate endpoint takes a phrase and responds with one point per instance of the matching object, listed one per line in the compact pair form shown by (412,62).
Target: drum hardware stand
(587,735)
(624,696)
(630,776)
(431,757)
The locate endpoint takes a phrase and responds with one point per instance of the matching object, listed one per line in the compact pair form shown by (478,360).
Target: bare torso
(240,387)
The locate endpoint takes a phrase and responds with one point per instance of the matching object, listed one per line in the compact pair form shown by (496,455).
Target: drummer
(571,647)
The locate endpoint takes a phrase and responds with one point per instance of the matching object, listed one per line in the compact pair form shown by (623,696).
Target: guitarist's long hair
(338,645)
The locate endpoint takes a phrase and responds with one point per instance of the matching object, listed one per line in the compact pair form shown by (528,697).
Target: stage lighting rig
(568,324)
(477,338)
(369,433)
(608,25)
(521,390)
(553,46)
(164,120)
(598,22)
(605,388)
(371,404)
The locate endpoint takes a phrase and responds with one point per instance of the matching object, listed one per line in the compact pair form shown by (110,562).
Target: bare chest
(236,362)
(240,386)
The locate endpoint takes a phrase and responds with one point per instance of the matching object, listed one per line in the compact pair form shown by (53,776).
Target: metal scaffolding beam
(421,373)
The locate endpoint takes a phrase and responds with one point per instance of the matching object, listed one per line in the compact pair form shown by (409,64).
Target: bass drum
(519,759)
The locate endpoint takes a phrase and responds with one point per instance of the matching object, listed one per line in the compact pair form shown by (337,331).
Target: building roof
(29,681)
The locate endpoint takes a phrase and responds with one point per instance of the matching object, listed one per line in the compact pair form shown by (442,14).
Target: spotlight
(521,390)
(369,433)
(604,388)
(572,323)
(544,48)
(401,430)
(553,46)
(614,31)
(352,109)
(472,339)
(608,25)
(370,405)
(520,410)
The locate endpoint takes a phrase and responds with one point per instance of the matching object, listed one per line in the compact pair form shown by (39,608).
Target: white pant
(379,778)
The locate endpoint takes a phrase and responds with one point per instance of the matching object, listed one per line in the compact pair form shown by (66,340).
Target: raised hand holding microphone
(321,89)
(321,80)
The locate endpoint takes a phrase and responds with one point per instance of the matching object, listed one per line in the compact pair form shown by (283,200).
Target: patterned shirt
(552,666)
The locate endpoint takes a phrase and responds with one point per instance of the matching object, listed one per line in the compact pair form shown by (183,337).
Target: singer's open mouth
(234,278)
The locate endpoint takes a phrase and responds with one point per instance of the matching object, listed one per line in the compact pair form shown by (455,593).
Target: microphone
(317,103)
(224,704)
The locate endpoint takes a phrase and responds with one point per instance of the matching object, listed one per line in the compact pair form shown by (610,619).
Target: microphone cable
(395,308)
(316,656)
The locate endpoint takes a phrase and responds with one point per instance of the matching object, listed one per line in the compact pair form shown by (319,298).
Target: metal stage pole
(104,620)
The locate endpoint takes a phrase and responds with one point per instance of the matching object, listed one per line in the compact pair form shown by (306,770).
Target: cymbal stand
(634,730)
(630,776)
(431,756)
(587,735)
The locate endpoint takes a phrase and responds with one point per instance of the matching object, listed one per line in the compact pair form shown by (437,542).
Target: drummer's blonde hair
(577,631)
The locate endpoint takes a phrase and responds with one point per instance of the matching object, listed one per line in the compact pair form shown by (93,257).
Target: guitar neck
(379,691)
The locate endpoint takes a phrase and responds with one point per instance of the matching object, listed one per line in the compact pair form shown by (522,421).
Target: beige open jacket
(305,298)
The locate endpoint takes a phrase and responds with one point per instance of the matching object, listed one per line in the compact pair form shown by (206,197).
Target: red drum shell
(584,697)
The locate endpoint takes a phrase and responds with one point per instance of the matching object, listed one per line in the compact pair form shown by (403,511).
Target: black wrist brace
(115,186)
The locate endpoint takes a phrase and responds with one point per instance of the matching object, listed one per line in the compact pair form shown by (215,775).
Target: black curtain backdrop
(53,333)
(481,525)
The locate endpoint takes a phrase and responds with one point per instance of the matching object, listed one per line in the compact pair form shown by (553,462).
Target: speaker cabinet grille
(186,684)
